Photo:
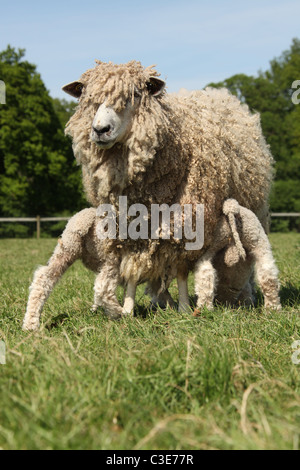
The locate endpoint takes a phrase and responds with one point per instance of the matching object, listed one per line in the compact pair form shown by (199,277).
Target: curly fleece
(198,149)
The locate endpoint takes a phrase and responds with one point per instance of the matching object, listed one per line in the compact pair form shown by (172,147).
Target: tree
(64,110)
(270,94)
(38,174)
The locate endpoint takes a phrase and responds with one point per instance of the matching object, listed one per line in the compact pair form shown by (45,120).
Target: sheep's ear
(74,89)
(155,86)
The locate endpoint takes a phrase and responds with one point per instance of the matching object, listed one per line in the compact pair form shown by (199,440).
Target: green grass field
(161,380)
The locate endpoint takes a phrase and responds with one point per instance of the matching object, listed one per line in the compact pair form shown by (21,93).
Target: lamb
(244,230)
(131,138)
(80,241)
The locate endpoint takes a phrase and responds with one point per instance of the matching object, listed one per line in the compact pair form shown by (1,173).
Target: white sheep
(131,138)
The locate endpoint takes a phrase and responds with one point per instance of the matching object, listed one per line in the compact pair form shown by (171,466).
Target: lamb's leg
(44,281)
(205,282)
(267,273)
(128,306)
(105,291)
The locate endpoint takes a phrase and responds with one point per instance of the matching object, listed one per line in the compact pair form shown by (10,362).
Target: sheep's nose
(102,130)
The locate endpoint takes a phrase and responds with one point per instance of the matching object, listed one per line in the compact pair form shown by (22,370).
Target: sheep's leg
(205,283)
(162,299)
(267,273)
(128,306)
(183,293)
(44,281)
(105,292)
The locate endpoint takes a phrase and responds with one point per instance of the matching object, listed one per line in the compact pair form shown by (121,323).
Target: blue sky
(192,42)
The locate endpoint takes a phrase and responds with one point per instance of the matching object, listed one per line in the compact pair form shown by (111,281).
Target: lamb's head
(109,98)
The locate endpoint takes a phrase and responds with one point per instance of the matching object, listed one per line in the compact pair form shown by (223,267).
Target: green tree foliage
(38,174)
(64,110)
(270,94)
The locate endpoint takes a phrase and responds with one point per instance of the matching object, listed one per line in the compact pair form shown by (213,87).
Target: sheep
(132,138)
(80,241)
(250,243)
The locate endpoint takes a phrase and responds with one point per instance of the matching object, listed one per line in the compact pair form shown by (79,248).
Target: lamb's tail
(234,252)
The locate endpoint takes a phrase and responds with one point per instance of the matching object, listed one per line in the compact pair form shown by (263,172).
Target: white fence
(38,220)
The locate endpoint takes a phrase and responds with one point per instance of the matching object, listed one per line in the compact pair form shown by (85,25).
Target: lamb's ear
(74,89)
(155,86)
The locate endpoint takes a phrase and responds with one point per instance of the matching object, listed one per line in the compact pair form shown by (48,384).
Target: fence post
(38,227)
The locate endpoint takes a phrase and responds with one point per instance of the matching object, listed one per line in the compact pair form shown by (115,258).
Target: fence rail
(36,219)
(283,214)
(39,219)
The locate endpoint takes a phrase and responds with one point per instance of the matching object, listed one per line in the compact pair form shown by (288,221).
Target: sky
(192,42)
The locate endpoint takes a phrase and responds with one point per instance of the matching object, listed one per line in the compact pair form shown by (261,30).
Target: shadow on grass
(290,295)
(141,311)
(57,321)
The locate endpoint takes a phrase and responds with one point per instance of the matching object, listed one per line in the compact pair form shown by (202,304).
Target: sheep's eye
(136,96)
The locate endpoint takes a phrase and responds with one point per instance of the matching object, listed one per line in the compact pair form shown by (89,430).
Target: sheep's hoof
(196,313)
(30,327)
(113,315)
(274,307)
(127,314)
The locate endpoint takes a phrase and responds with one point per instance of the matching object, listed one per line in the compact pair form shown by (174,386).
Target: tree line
(272,95)
(38,173)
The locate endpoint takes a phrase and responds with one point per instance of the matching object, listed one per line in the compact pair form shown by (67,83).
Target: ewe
(133,139)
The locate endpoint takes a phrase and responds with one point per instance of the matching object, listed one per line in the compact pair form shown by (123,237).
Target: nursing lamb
(80,241)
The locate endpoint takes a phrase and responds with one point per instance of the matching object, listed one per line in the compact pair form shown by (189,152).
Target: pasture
(160,380)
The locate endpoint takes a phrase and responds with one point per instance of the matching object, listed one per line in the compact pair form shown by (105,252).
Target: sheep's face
(109,98)
(110,127)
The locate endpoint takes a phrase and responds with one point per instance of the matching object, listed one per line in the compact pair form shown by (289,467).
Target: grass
(161,380)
